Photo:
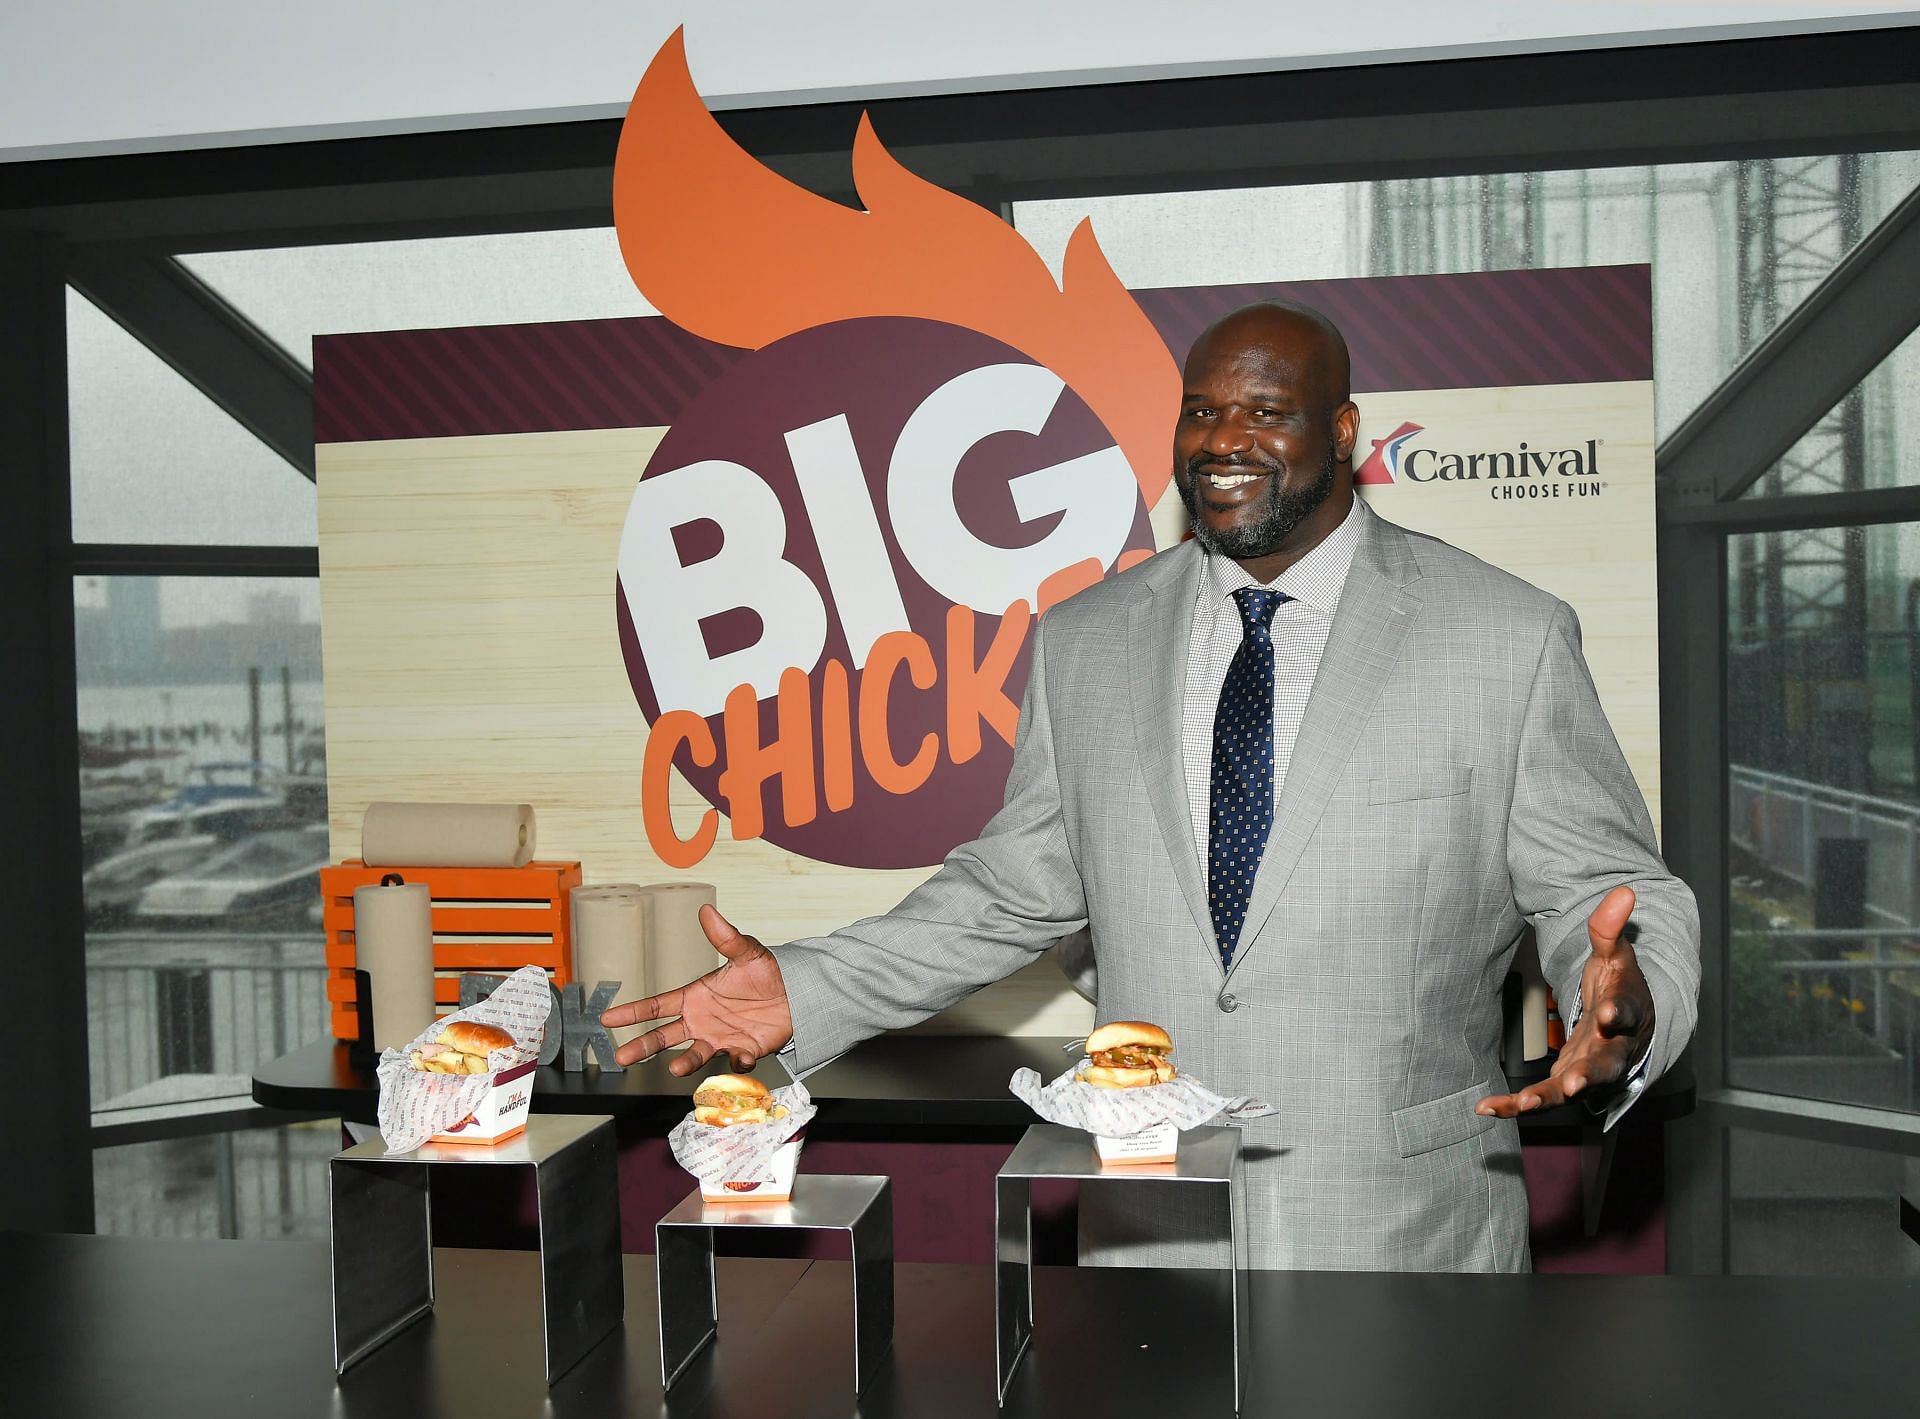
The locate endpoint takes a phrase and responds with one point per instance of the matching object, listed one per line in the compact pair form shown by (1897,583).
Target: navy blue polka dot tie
(1241,814)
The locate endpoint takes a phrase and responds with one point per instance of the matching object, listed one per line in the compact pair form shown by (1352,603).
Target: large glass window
(156,461)
(1867,440)
(203,828)
(508,278)
(1823,672)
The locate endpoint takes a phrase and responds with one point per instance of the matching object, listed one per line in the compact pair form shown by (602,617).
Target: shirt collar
(1316,579)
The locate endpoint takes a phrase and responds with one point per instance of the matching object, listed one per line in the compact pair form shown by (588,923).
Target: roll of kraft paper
(610,943)
(677,949)
(393,944)
(447,835)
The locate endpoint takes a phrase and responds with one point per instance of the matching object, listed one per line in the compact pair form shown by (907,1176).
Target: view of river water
(206,723)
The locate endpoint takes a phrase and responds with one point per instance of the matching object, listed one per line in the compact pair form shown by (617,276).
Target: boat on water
(112,887)
(221,800)
(271,877)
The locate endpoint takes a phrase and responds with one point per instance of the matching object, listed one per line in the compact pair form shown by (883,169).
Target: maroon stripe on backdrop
(1498,328)
(507,379)
(1581,325)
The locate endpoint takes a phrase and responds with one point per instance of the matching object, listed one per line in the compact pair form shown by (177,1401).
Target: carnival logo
(831,563)
(1383,464)
(1522,471)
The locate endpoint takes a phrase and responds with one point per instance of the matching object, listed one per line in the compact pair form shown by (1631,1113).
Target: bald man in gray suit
(1440,776)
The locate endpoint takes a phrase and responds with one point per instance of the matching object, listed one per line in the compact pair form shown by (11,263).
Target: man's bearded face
(1279,504)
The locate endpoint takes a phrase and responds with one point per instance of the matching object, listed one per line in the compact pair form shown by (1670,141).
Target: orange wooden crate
(520,914)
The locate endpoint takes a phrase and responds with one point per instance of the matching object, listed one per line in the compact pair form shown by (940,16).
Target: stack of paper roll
(610,944)
(393,944)
(447,835)
(677,949)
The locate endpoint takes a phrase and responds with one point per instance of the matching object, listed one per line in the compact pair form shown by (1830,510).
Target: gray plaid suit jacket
(1454,779)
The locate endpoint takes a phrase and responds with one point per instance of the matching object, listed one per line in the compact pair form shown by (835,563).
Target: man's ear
(1346,430)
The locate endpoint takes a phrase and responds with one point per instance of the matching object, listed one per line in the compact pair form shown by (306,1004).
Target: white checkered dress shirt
(1300,628)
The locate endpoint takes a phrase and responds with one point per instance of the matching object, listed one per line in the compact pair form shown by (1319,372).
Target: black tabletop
(892,1081)
(904,1083)
(117,1326)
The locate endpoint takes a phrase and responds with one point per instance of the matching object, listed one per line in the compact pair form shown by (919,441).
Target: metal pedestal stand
(383,1244)
(862,1207)
(1207,1157)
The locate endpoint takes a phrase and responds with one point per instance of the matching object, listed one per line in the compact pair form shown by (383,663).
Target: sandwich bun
(1116,1033)
(472,1037)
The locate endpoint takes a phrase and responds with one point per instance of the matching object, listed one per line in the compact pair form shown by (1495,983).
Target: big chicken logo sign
(831,565)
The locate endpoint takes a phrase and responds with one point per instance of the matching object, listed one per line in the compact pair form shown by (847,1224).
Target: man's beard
(1285,510)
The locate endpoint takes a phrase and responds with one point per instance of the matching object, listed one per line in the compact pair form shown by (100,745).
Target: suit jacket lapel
(1376,611)
(1159,632)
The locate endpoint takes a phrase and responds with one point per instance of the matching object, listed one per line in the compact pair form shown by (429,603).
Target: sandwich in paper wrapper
(743,1161)
(1140,1104)
(423,1097)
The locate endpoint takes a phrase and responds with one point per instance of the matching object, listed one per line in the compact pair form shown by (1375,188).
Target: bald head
(1284,332)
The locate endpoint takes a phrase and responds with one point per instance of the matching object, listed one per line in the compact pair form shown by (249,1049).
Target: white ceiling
(96,76)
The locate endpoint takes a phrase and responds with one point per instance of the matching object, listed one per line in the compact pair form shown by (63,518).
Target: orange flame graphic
(733,252)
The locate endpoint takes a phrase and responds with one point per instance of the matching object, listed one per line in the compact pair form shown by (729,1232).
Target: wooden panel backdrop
(467,589)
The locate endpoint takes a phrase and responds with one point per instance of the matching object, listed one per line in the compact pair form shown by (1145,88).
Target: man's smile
(1231,478)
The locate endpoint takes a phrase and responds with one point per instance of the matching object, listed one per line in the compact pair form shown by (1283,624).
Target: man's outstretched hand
(1616,1023)
(738,1009)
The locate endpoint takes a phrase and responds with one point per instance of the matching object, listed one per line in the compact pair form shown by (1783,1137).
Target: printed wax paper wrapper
(741,1152)
(1182,1101)
(415,1105)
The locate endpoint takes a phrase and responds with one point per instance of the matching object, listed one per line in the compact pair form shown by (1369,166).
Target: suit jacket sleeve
(1579,828)
(995,904)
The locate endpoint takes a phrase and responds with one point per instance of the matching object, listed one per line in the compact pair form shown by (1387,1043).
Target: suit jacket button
(1228,1004)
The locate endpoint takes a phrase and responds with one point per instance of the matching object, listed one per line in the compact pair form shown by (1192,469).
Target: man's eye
(1199,413)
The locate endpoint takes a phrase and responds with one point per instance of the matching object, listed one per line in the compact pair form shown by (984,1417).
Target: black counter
(905,1085)
(115,1326)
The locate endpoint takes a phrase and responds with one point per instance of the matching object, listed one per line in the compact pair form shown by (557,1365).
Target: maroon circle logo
(827,579)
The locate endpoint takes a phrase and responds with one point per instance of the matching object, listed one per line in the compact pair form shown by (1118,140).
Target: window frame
(1779,97)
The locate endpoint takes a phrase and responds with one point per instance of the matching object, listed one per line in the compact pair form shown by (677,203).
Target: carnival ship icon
(1383,464)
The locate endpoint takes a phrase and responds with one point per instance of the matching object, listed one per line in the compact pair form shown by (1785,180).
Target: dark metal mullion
(48,1184)
(211,345)
(139,559)
(1792,379)
(1799,512)
(1691,565)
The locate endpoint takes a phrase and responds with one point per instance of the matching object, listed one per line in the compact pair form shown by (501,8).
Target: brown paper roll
(677,949)
(447,835)
(609,943)
(1533,1021)
(393,944)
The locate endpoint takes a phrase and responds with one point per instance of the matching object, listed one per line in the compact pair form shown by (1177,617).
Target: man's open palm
(1615,1026)
(738,1009)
